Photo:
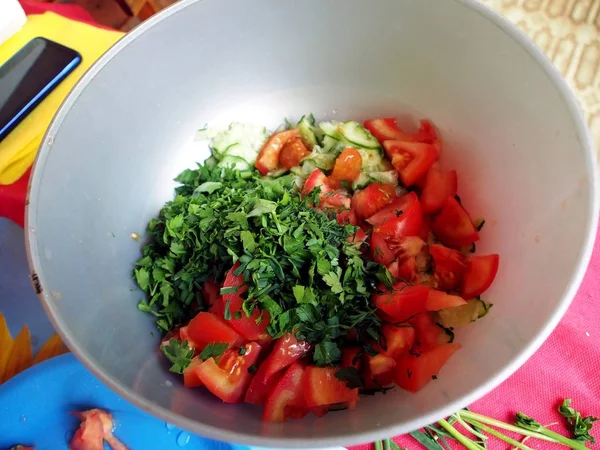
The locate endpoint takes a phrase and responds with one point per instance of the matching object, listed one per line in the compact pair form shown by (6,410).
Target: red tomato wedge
(381,364)
(286,400)
(229,379)
(403,302)
(453,226)
(371,199)
(207,328)
(347,217)
(380,250)
(428,332)
(405,247)
(394,210)
(398,340)
(449,266)
(314,180)
(403,217)
(406,271)
(413,372)
(322,388)
(426,133)
(293,153)
(346,169)
(185,336)
(261,386)
(190,377)
(358,238)
(287,350)
(268,157)
(439,187)
(411,160)
(386,129)
(439,300)
(480,274)
(328,198)
(246,326)
(96,427)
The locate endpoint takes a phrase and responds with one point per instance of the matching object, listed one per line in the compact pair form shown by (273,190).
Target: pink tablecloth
(567,365)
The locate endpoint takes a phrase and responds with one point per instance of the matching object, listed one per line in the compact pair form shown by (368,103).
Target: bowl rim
(351,438)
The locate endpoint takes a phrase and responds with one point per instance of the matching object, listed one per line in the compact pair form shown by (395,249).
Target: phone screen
(31,75)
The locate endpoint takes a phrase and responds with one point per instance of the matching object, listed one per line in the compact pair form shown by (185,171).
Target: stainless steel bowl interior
(106,165)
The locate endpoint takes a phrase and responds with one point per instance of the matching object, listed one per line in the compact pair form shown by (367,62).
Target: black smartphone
(29,76)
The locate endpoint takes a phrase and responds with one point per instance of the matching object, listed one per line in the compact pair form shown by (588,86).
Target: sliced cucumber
(358,135)
(331,145)
(306,127)
(362,181)
(372,159)
(246,139)
(234,162)
(331,129)
(323,161)
(446,335)
(464,314)
(387,177)
(211,162)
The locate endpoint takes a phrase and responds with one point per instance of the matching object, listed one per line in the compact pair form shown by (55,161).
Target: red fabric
(566,366)
(12,197)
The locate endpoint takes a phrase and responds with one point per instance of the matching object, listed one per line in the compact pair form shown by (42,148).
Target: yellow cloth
(18,149)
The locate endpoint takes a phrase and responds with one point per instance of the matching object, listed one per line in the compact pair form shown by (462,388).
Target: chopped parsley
(179,353)
(213,350)
(295,260)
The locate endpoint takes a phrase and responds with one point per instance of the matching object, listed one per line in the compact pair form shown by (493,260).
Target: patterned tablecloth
(568,31)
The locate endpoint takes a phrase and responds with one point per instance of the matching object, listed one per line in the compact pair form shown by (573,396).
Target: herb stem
(386,444)
(542,433)
(459,437)
(378,445)
(501,436)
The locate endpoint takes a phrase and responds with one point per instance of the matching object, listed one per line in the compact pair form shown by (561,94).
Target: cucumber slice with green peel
(249,137)
(211,162)
(323,161)
(387,177)
(235,162)
(331,129)
(464,314)
(306,127)
(372,159)
(358,135)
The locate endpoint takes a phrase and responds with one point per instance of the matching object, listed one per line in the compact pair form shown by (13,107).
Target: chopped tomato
(439,187)
(96,427)
(229,379)
(453,226)
(371,199)
(426,133)
(439,300)
(347,168)
(268,157)
(347,217)
(261,386)
(394,209)
(428,332)
(386,129)
(413,372)
(381,364)
(479,275)
(190,377)
(321,388)
(449,266)
(350,357)
(314,180)
(380,250)
(425,227)
(358,238)
(403,302)
(207,328)
(398,340)
(405,247)
(328,198)
(403,217)
(287,350)
(293,153)
(412,160)
(286,400)
(185,336)
(246,326)
(407,271)
(336,200)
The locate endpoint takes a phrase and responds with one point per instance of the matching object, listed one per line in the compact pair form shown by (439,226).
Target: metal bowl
(510,126)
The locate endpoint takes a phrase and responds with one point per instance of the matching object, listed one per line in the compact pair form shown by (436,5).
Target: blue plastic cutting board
(35,405)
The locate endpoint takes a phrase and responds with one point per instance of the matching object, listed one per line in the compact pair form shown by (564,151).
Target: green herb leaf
(580,426)
(326,352)
(213,350)
(179,353)
(352,377)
